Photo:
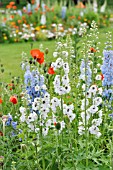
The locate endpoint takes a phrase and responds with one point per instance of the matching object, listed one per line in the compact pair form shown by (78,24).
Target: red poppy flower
(51,70)
(13,99)
(102,77)
(14,7)
(38,55)
(12,3)
(8,6)
(92,50)
(1,101)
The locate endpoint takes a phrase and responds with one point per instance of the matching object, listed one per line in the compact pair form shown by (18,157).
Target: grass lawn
(10,54)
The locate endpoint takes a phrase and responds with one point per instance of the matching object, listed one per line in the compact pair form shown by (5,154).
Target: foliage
(62,119)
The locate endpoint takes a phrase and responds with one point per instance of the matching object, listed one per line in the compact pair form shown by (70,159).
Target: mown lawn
(10,54)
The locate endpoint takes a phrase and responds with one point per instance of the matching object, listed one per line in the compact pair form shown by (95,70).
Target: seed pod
(58,126)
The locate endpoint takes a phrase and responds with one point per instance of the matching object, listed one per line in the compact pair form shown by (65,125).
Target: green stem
(70,145)
(111,154)
(57,152)
(86,132)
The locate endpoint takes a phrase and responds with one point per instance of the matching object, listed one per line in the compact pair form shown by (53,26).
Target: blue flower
(8,123)
(64,12)
(107,68)
(14,124)
(88,73)
(111,115)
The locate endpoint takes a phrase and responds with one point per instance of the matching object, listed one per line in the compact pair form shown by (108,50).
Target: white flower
(32,117)
(67,110)
(62,125)
(95,70)
(19,33)
(35,106)
(31,126)
(65,79)
(94,130)
(44,115)
(100,90)
(97,122)
(98,65)
(60,90)
(98,77)
(44,103)
(97,101)
(22,118)
(55,54)
(66,67)
(32,35)
(47,96)
(93,109)
(88,94)
(41,122)
(100,113)
(81,129)
(93,89)
(65,53)
(82,76)
(84,86)
(59,62)
(48,123)
(55,101)
(37,100)
(98,134)
(44,87)
(57,80)
(53,25)
(71,117)
(67,88)
(37,130)
(45,131)
(37,88)
(22,109)
(87,116)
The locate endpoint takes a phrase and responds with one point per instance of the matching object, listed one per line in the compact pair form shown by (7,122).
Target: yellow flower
(43,26)
(85,19)
(5,38)
(17,31)
(37,28)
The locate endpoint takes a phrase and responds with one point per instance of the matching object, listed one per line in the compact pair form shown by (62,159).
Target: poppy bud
(2,70)
(13,99)
(46,51)
(58,126)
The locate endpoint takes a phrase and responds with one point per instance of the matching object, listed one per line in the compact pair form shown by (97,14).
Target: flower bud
(58,126)
(2,70)
(46,51)
(23,147)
